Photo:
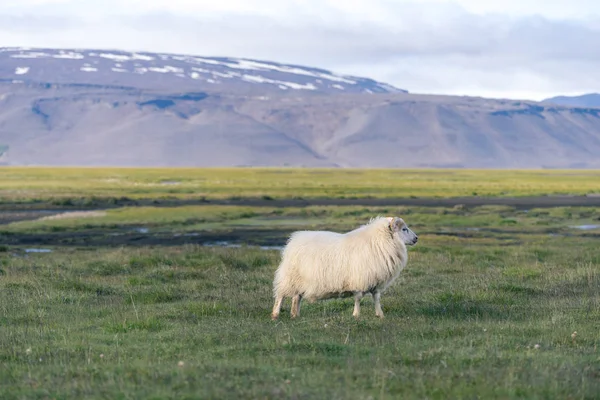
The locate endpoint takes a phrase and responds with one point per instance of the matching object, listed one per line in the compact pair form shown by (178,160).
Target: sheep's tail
(279,279)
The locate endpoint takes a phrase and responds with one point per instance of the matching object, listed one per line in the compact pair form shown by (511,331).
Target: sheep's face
(398,226)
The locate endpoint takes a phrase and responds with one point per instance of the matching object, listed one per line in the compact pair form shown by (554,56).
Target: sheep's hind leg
(295,311)
(277,307)
(377,299)
(357,297)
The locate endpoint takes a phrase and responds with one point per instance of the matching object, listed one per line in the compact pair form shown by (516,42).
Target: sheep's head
(398,226)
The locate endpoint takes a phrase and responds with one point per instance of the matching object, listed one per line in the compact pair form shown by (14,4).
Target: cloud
(34,25)
(429,47)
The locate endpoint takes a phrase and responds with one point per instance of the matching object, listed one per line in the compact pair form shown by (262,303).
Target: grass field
(497,302)
(92,185)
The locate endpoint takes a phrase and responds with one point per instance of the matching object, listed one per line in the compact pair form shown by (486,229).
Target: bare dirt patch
(75,214)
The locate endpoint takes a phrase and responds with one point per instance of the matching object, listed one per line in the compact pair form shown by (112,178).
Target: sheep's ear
(396,224)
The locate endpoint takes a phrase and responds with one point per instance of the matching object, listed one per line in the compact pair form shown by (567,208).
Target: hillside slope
(81,126)
(586,100)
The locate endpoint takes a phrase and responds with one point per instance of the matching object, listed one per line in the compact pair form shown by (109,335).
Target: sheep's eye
(405,230)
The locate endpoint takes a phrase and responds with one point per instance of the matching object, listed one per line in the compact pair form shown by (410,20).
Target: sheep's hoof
(380,315)
(274,317)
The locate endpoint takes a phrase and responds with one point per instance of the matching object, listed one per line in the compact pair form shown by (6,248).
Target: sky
(515,49)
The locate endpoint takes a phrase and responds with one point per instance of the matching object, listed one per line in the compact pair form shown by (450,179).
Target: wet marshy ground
(268,223)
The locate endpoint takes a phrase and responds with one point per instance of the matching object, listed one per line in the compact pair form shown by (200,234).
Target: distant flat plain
(87,186)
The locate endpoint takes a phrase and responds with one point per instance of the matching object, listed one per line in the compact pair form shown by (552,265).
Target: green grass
(467,319)
(90,186)
(454,325)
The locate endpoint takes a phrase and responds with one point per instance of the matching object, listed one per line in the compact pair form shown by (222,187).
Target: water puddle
(236,245)
(222,244)
(271,247)
(38,251)
(585,227)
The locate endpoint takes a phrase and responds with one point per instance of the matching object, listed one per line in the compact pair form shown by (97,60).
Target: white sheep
(320,265)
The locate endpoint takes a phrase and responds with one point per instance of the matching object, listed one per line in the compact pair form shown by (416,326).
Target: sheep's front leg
(295,311)
(357,297)
(377,299)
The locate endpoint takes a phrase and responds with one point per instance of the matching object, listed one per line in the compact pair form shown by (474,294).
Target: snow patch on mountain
(88,68)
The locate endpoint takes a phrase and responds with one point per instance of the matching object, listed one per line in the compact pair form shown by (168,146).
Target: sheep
(318,265)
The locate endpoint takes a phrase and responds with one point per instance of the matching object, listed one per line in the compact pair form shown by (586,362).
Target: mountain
(92,108)
(586,100)
(174,72)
